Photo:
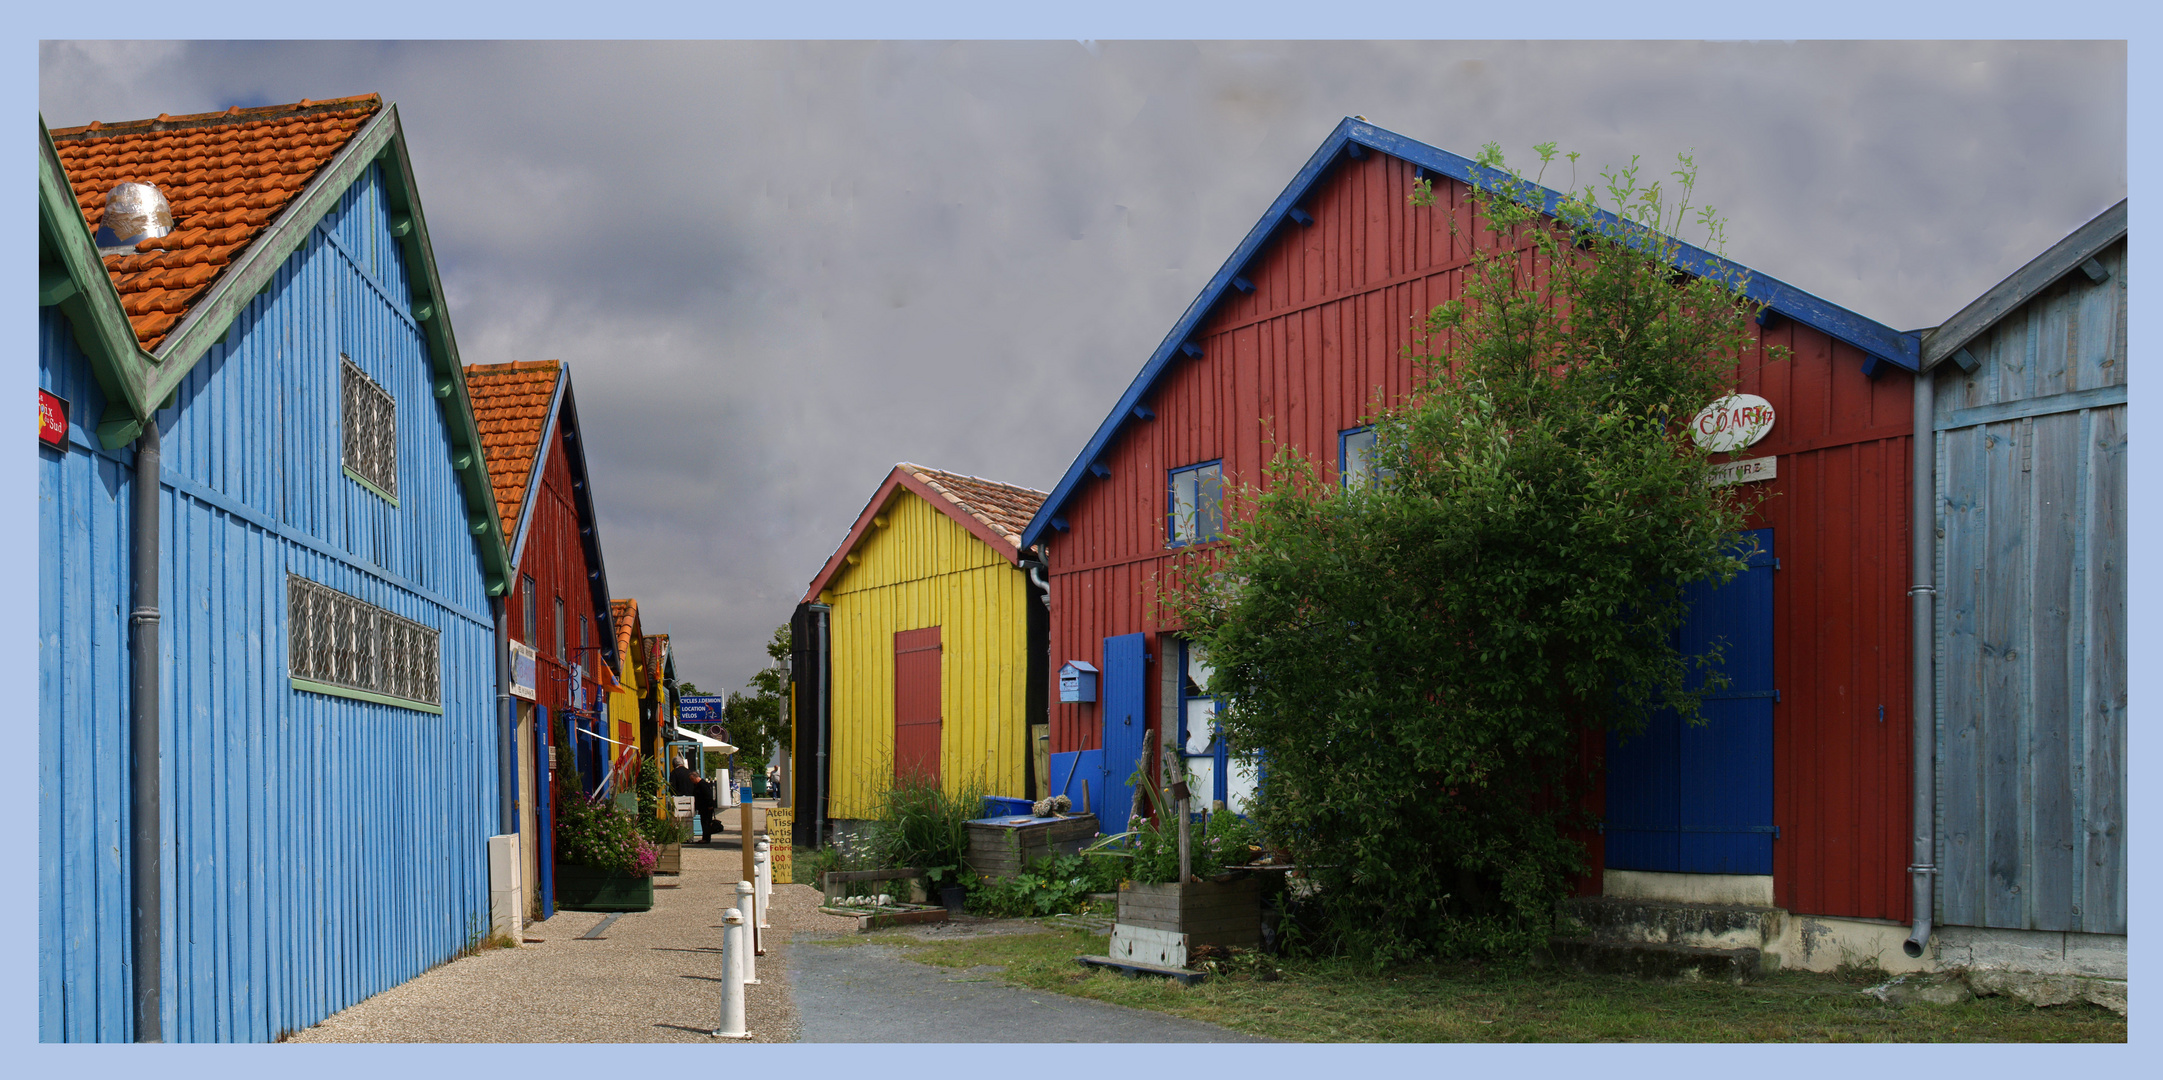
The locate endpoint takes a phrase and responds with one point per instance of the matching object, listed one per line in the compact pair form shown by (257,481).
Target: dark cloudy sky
(777,269)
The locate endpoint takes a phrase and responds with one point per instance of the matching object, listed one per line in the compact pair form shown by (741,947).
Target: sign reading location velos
(1732,422)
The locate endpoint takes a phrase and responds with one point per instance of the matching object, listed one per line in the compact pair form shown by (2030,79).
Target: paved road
(869,993)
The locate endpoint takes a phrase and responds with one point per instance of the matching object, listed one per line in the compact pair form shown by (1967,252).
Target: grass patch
(1336,1001)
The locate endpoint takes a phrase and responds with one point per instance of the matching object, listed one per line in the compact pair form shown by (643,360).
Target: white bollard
(734,937)
(766,882)
(746,897)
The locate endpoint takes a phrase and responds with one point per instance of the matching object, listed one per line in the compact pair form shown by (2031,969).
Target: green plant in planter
(662,831)
(596,834)
(1221,841)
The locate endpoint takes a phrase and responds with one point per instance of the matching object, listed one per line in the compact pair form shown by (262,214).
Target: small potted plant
(667,835)
(602,861)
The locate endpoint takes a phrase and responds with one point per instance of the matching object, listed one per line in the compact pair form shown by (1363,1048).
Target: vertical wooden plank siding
(84,521)
(925,570)
(2031,623)
(318,849)
(1320,344)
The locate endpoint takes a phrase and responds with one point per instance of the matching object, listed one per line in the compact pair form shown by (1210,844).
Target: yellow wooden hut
(938,640)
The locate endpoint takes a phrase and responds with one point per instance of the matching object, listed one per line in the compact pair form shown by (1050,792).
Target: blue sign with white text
(700,709)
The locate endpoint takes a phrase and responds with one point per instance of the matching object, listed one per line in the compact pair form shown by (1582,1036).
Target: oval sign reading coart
(1732,422)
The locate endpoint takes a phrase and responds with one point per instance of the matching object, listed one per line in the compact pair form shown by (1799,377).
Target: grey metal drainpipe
(143,777)
(1922,604)
(506,739)
(818,805)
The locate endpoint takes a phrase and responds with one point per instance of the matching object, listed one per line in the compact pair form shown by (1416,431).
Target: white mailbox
(1078,681)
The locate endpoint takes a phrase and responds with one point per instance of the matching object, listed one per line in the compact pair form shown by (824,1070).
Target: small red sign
(52,419)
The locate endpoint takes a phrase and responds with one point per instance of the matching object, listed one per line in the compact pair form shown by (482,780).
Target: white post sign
(1732,423)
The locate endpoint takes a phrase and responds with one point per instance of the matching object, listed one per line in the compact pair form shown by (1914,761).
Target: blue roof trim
(1880,343)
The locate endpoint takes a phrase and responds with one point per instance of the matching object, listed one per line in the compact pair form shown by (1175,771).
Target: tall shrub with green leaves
(1420,657)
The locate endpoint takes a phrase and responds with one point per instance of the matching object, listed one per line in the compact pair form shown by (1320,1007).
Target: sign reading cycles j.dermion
(1733,422)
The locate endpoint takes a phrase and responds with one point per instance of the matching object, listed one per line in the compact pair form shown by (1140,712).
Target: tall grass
(920,824)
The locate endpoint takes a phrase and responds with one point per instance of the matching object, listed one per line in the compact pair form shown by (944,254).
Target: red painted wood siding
(1322,339)
(556,561)
(917,719)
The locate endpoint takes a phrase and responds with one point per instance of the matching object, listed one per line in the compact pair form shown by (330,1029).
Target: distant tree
(758,722)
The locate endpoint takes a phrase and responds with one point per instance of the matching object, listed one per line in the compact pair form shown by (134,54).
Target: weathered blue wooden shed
(2028,407)
(268,696)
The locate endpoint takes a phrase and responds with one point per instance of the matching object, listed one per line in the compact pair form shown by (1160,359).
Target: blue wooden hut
(268,664)
(2027,406)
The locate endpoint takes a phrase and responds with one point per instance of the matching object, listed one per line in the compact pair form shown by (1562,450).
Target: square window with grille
(370,430)
(337,641)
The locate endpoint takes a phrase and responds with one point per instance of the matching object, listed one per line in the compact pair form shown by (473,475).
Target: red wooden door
(916,703)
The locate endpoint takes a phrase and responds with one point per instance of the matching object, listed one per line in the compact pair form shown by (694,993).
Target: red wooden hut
(1295,340)
(558,615)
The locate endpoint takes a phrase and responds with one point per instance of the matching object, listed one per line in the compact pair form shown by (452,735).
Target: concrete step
(1710,926)
(1654,960)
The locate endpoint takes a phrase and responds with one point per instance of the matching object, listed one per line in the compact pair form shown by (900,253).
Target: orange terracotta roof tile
(226,175)
(510,404)
(1007,508)
(624,613)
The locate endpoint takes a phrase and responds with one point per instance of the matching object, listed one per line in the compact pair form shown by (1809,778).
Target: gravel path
(652,976)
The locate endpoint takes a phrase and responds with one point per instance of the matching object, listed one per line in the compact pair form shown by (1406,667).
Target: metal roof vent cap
(134,212)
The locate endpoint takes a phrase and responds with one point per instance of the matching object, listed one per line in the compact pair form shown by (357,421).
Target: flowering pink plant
(593,833)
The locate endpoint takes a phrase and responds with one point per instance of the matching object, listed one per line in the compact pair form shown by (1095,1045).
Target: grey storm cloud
(779,268)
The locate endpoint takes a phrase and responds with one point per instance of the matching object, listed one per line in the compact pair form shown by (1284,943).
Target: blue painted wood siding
(2031,660)
(84,521)
(319,849)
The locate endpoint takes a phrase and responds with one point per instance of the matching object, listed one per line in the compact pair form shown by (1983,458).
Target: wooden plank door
(1125,723)
(917,721)
(1697,799)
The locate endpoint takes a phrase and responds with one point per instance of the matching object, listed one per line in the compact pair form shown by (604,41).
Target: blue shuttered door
(1124,724)
(1698,798)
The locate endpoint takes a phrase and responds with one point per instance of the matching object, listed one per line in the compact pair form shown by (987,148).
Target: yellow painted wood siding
(924,569)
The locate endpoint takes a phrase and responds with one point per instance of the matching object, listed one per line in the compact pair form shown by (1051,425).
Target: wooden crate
(1005,846)
(1207,913)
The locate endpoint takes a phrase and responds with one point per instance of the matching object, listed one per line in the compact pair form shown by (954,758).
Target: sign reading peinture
(52,418)
(1733,422)
(700,708)
(1746,471)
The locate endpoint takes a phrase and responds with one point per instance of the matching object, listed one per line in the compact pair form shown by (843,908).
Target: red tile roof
(510,403)
(1007,508)
(624,613)
(226,175)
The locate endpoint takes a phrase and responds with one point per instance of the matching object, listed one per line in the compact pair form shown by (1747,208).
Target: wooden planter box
(671,860)
(583,888)
(1004,846)
(1157,924)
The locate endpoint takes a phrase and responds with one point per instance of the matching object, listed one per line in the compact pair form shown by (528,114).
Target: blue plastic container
(1000,806)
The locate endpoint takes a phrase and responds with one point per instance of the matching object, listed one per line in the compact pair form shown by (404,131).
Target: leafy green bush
(1420,657)
(1053,885)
